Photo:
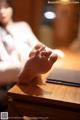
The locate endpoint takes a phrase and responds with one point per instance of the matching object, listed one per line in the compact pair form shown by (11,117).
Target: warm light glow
(65,1)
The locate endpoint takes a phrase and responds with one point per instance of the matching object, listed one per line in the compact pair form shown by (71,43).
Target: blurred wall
(29,11)
(65,26)
(66,23)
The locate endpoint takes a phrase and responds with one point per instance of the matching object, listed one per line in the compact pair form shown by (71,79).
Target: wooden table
(47,101)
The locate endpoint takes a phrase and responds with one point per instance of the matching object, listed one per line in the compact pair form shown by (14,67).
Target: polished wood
(56,102)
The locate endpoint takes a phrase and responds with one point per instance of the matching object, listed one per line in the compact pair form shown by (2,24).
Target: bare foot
(40,62)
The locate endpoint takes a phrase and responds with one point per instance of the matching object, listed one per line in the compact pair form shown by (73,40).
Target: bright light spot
(49,15)
(66,1)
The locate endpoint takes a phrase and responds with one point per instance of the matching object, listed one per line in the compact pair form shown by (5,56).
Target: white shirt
(19,36)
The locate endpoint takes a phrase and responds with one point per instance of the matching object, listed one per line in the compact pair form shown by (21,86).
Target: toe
(46,54)
(53,58)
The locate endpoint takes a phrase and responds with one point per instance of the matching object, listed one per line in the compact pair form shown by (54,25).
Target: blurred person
(22,56)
